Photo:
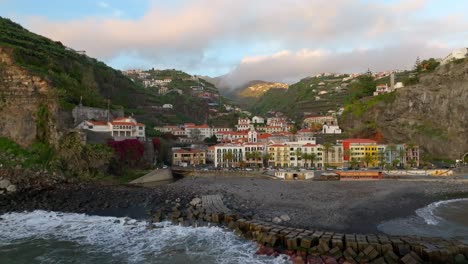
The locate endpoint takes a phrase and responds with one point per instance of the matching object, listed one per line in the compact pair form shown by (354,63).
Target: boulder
(4,184)
(11,188)
(285,217)
(195,201)
(277,220)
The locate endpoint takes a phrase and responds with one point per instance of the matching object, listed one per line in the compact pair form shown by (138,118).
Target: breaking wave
(120,240)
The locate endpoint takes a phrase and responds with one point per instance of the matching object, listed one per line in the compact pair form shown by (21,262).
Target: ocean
(51,237)
(447,219)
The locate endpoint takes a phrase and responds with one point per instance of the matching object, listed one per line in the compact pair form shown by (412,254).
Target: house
(455,55)
(244,124)
(258,120)
(331,129)
(126,128)
(381,89)
(118,129)
(322,92)
(305,136)
(198,132)
(188,157)
(167,106)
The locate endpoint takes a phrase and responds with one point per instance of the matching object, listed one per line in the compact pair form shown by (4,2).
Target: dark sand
(335,206)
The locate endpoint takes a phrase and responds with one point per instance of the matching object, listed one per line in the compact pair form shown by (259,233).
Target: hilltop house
(119,128)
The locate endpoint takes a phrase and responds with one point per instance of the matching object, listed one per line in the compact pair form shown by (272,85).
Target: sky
(243,40)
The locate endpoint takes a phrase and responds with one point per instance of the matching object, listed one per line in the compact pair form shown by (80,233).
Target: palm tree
(368,159)
(266,158)
(228,156)
(327,147)
(348,153)
(298,154)
(353,162)
(312,157)
(412,162)
(256,156)
(381,159)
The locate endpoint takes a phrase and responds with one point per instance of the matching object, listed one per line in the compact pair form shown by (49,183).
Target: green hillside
(79,77)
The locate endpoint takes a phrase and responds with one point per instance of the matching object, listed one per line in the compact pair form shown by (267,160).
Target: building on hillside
(258,120)
(331,129)
(381,89)
(244,124)
(198,132)
(321,120)
(305,136)
(188,157)
(228,155)
(167,106)
(119,128)
(277,122)
(455,55)
(252,136)
(127,128)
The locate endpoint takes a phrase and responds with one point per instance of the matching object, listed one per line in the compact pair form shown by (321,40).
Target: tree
(266,159)
(195,134)
(229,157)
(368,158)
(381,159)
(211,140)
(312,157)
(417,65)
(395,163)
(327,147)
(412,162)
(354,163)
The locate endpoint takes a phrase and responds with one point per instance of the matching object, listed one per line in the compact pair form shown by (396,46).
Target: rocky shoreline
(262,210)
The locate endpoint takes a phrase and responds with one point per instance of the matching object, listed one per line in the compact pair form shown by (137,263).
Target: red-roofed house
(188,157)
(120,128)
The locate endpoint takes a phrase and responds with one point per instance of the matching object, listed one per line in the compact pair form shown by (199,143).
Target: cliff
(432,113)
(28,104)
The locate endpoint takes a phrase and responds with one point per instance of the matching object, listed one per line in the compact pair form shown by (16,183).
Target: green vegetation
(37,156)
(303,97)
(74,75)
(358,108)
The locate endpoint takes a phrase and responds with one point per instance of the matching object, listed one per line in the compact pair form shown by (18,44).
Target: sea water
(51,237)
(447,219)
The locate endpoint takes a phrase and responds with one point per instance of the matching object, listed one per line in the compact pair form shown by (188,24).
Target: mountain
(432,113)
(42,80)
(257,88)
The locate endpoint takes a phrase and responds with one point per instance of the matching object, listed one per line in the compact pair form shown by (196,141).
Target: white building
(119,128)
(168,106)
(331,129)
(258,120)
(203,131)
(236,156)
(127,127)
(455,55)
(244,124)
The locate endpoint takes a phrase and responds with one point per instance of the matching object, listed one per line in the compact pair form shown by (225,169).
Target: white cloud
(103,4)
(304,31)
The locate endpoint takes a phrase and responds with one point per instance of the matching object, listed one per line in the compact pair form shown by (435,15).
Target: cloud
(103,4)
(288,66)
(303,31)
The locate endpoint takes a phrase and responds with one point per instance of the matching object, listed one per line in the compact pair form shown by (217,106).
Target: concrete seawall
(154,176)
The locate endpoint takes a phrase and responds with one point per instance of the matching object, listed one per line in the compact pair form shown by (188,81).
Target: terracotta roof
(277,145)
(195,126)
(359,140)
(126,124)
(310,145)
(264,136)
(98,123)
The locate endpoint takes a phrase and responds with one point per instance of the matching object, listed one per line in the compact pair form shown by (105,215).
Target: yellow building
(188,157)
(279,155)
(362,151)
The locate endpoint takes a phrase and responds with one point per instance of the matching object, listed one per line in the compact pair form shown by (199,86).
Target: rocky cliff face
(28,106)
(432,114)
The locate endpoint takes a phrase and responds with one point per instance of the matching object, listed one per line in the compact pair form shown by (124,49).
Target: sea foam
(130,239)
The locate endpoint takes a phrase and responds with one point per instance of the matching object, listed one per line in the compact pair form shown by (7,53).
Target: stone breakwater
(313,246)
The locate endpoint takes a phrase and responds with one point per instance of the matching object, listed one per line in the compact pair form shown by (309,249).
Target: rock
(195,201)
(285,217)
(277,220)
(459,258)
(11,188)
(4,184)
(177,200)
